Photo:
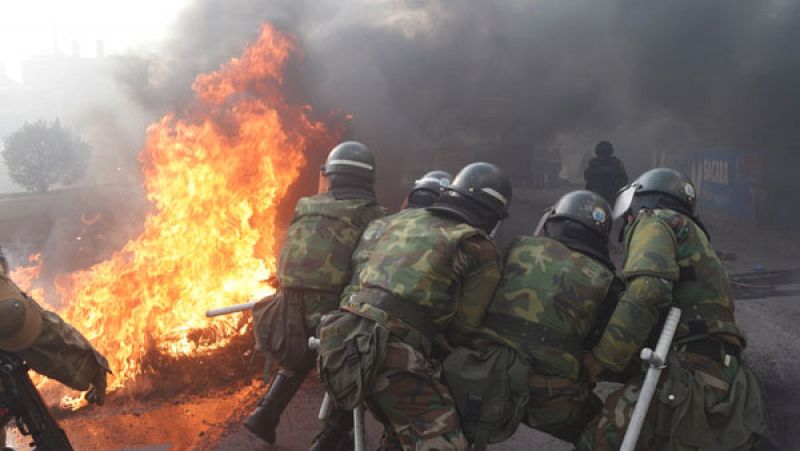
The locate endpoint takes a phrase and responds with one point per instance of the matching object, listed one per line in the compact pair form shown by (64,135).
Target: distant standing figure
(606,173)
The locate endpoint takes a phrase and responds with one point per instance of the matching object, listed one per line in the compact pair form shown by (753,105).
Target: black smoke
(439,83)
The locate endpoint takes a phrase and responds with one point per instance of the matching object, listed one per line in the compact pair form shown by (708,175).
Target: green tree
(41,154)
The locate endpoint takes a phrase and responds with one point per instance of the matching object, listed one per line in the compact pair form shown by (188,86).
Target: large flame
(214,177)
(25,276)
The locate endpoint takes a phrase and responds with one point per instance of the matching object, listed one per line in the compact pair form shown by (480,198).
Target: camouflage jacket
(548,303)
(668,261)
(364,250)
(448,268)
(49,345)
(320,241)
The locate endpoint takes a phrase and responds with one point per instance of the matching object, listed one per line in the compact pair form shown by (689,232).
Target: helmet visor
(624,200)
(540,227)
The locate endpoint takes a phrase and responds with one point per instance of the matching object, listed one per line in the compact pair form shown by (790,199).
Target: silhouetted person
(606,173)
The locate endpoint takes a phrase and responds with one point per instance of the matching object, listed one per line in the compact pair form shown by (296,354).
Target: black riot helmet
(658,188)
(427,189)
(479,195)
(350,158)
(581,220)
(586,208)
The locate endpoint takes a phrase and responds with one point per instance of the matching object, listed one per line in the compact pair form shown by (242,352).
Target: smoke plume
(443,82)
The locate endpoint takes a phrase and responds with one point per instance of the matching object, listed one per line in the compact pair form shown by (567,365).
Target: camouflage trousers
(409,398)
(700,404)
(560,407)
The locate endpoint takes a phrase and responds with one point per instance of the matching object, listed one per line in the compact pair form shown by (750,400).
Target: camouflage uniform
(708,398)
(547,307)
(363,252)
(427,274)
(313,269)
(45,342)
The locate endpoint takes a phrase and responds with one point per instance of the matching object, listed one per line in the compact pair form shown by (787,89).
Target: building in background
(749,186)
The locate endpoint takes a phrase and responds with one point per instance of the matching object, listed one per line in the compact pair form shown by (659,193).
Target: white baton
(657,361)
(229,309)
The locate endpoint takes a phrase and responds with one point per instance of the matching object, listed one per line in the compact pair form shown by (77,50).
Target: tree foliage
(42,154)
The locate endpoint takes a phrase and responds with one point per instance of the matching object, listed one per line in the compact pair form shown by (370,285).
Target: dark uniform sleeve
(650,272)
(62,353)
(48,345)
(480,263)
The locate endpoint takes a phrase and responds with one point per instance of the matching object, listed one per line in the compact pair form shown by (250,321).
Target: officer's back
(558,287)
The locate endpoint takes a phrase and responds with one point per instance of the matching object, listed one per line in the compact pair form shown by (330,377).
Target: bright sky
(36,27)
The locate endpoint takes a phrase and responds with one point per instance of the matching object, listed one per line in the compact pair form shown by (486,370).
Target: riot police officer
(432,272)
(313,269)
(709,398)
(557,290)
(48,345)
(424,193)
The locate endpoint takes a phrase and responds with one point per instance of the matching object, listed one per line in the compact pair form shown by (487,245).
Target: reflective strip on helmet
(357,164)
(441,182)
(496,195)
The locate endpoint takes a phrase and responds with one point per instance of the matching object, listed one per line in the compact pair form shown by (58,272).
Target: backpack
(490,390)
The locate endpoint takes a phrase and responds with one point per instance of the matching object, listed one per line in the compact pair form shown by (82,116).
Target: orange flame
(215,179)
(25,276)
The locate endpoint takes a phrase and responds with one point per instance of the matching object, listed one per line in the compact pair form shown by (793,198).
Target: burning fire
(24,276)
(214,176)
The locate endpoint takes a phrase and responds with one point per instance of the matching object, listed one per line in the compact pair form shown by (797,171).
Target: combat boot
(265,418)
(335,433)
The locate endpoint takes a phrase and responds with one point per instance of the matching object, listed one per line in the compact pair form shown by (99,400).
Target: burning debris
(425,83)
(215,175)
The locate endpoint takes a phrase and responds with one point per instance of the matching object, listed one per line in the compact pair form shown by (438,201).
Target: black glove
(97,390)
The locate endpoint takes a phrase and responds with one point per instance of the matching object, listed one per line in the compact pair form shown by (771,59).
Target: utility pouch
(352,351)
(710,406)
(490,390)
(280,331)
